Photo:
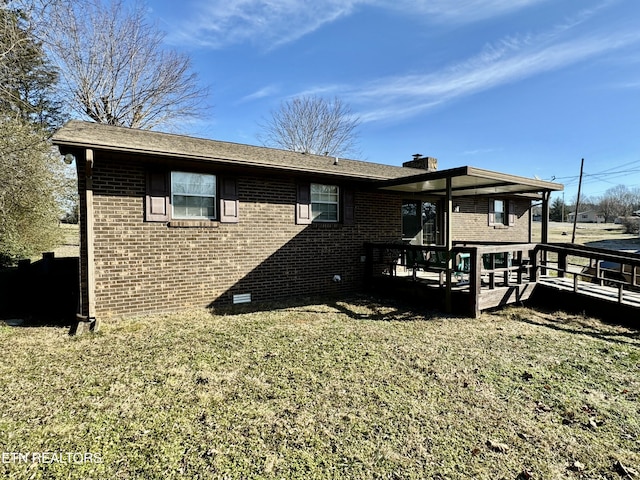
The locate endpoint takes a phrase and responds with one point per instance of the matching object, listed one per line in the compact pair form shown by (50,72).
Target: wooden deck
(471,278)
(601,292)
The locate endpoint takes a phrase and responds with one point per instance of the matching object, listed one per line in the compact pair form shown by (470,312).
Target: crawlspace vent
(242,298)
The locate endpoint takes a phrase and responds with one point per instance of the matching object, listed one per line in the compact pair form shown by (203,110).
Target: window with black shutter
(321,203)
(502,212)
(186,196)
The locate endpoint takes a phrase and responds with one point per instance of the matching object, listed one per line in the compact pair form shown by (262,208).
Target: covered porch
(458,273)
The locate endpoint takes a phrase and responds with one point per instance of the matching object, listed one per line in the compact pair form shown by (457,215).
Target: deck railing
(482,275)
(468,268)
(588,265)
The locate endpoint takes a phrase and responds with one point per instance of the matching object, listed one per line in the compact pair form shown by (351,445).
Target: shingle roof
(106,137)
(466,181)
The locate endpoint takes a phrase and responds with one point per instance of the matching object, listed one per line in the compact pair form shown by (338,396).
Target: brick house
(170,222)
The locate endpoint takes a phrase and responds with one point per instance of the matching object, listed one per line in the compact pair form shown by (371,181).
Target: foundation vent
(242,298)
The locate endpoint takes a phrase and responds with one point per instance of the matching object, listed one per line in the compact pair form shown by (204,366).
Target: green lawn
(338,390)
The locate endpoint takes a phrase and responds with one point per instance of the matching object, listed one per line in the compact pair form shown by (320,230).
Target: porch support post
(449,244)
(545,217)
(545,228)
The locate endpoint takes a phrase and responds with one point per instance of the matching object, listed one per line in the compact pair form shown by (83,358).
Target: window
(193,195)
(502,212)
(186,199)
(325,203)
(498,212)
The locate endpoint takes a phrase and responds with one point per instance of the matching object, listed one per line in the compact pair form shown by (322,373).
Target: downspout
(86,323)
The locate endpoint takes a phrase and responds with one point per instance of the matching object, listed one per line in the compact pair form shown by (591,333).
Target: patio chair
(415,260)
(462,268)
(437,262)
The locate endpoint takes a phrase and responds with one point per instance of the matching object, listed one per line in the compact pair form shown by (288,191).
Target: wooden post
(91,269)
(533,275)
(88,323)
(545,217)
(620,290)
(520,267)
(562,263)
(545,229)
(507,272)
(475,282)
(530,237)
(449,244)
(492,274)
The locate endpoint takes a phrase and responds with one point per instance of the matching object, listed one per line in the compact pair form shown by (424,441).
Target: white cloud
(272,23)
(632,85)
(480,151)
(464,10)
(506,62)
(267,91)
(267,23)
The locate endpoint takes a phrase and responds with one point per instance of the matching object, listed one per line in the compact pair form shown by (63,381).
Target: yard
(600,235)
(348,389)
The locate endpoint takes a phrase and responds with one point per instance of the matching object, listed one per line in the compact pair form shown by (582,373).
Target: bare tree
(311,124)
(114,67)
(620,201)
(608,208)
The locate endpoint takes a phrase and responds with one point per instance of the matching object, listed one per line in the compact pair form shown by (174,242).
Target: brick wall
(472,222)
(148,266)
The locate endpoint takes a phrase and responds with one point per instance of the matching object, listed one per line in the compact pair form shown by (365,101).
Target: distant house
(170,222)
(590,216)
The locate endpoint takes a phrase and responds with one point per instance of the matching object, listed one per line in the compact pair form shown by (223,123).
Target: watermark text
(50,457)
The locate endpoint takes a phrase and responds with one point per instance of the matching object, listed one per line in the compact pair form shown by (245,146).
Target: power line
(607,171)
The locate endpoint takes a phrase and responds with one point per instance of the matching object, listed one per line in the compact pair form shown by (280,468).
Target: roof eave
(217,160)
(501,181)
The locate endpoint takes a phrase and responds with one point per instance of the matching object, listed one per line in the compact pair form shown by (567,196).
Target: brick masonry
(472,222)
(149,266)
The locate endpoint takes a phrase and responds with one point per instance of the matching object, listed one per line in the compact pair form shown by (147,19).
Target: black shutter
(512,212)
(157,200)
(492,213)
(348,207)
(303,205)
(229,211)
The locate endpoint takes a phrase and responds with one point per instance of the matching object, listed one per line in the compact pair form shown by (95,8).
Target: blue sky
(528,87)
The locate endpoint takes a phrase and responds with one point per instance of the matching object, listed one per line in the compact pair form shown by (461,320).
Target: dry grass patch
(341,390)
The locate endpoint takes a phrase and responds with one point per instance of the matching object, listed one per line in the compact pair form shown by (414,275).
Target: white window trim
(337,203)
(214,196)
(503,212)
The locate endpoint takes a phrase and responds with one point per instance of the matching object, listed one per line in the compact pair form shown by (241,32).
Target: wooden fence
(43,291)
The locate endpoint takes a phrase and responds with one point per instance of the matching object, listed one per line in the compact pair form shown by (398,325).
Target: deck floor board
(602,292)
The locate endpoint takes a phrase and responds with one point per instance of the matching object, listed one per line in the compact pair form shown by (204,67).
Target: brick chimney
(429,164)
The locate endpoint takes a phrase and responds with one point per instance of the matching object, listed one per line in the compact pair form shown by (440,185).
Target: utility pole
(575,216)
